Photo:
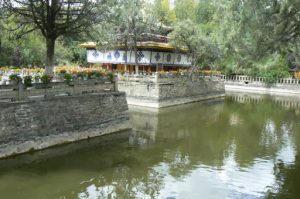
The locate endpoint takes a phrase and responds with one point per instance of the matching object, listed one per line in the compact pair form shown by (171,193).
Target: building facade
(154,54)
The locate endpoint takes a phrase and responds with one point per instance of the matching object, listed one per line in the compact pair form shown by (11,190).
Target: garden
(29,76)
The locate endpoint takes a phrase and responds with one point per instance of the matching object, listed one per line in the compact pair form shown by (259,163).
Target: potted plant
(90,74)
(97,74)
(68,78)
(110,77)
(14,79)
(28,81)
(46,79)
(37,79)
(80,75)
(61,74)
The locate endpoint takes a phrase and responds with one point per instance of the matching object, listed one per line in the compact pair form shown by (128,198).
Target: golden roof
(140,45)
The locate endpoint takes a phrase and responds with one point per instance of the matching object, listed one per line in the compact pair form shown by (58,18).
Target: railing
(18,92)
(247,79)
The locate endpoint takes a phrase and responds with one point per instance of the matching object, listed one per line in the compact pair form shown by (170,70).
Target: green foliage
(110,76)
(272,75)
(68,78)
(185,10)
(273,68)
(15,77)
(81,74)
(46,79)
(55,19)
(28,81)
(162,11)
(239,37)
(201,49)
(36,78)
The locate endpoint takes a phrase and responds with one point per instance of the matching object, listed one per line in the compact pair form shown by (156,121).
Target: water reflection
(237,148)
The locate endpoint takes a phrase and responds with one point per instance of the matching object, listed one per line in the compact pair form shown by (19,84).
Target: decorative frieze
(144,57)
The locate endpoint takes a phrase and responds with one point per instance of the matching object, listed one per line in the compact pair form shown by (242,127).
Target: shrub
(110,76)
(28,81)
(81,74)
(46,79)
(68,77)
(272,75)
(15,77)
(36,78)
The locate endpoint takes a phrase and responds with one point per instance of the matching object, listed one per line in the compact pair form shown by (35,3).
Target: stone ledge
(155,103)
(15,148)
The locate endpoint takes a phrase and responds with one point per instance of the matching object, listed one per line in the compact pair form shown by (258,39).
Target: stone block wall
(33,125)
(168,93)
(14,93)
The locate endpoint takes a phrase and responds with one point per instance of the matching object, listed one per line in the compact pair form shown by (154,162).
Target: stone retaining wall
(33,125)
(169,93)
(262,88)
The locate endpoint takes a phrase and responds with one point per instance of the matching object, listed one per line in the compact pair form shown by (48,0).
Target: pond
(240,147)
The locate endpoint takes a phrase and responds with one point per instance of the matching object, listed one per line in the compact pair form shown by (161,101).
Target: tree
(185,9)
(253,30)
(1,24)
(162,11)
(130,25)
(56,18)
(201,49)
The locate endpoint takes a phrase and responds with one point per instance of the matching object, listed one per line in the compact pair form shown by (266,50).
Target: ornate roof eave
(140,45)
(88,45)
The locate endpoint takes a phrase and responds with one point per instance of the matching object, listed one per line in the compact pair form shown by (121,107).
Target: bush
(272,75)
(68,77)
(110,76)
(81,74)
(15,77)
(46,79)
(28,81)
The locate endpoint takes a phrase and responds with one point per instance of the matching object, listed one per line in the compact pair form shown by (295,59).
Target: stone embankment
(163,91)
(245,84)
(52,117)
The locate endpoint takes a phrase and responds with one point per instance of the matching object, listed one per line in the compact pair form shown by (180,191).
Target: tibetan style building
(154,54)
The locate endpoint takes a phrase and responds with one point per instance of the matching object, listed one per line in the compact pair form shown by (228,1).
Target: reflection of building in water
(288,102)
(235,120)
(145,125)
(152,124)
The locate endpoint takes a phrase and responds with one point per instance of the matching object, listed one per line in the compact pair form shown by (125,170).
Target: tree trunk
(126,50)
(50,56)
(193,68)
(136,58)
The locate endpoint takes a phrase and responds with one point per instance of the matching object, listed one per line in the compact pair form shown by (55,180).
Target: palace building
(154,53)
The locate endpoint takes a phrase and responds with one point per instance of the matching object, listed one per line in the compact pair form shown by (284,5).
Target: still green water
(240,147)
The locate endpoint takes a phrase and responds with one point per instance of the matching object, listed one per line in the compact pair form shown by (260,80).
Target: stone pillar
(20,96)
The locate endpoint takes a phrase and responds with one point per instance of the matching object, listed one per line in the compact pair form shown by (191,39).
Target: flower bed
(61,73)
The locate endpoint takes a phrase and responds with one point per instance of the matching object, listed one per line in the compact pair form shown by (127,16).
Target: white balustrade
(242,78)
